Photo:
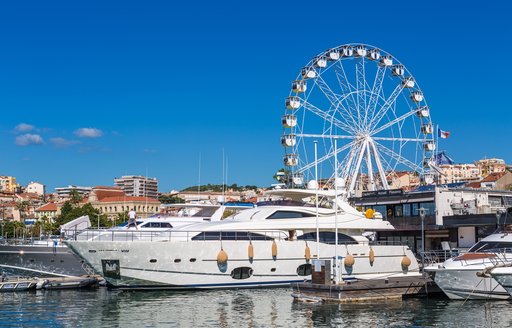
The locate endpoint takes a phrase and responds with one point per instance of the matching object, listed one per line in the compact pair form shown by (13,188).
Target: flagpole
(336,211)
(316,202)
(437,157)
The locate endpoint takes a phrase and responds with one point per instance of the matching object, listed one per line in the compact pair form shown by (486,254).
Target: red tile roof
(473,185)
(47,207)
(493,177)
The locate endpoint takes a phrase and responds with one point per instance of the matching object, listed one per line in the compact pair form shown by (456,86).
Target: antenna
(199,179)
(146,192)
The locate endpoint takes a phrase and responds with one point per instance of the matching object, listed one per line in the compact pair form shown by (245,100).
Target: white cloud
(24,127)
(88,133)
(29,139)
(61,142)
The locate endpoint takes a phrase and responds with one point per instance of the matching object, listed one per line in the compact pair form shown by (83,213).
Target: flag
(442,134)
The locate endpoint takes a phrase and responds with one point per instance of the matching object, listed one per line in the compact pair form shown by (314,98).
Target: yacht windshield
(483,246)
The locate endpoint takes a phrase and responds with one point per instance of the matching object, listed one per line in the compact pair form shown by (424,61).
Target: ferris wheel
(357,106)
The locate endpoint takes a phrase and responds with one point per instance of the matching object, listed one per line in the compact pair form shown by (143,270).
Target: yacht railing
(438,256)
(173,235)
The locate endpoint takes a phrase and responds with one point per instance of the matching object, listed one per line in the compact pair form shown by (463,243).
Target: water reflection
(237,308)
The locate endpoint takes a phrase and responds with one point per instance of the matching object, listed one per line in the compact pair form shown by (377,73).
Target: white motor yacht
(466,276)
(50,257)
(266,246)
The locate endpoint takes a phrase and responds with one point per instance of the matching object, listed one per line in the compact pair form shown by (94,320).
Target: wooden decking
(364,290)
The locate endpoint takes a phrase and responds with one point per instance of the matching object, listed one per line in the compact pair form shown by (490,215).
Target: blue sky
(93,90)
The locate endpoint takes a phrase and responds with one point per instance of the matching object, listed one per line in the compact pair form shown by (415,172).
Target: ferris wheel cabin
(289,121)
(308,72)
(292,102)
(299,86)
(288,140)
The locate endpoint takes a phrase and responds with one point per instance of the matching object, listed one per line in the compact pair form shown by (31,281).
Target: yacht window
(289,215)
(206,212)
(328,237)
(304,270)
(241,273)
(230,235)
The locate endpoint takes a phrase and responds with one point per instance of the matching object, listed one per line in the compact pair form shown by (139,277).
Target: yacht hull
(194,265)
(40,260)
(469,283)
(503,275)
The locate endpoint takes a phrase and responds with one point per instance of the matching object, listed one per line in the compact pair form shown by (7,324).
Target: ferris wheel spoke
(325,157)
(399,139)
(323,136)
(334,99)
(328,117)
(387,105)
(361,90)
(376,90)
(355,170)
(393,122)
(399,158)
(347,89)
(370,166)
(380,167)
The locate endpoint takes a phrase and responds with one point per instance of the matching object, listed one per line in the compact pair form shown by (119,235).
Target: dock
(17,284)
(395,288)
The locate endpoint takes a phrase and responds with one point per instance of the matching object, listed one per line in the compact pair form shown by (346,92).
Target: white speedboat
(466,276)
(266,246)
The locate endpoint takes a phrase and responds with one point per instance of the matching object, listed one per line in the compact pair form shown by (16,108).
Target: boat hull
(504,277)
(469,283)
(35,260)
(194,265)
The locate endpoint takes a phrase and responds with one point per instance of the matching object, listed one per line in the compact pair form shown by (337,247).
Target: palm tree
(22,207)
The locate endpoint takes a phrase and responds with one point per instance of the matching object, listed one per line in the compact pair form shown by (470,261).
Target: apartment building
(138,186)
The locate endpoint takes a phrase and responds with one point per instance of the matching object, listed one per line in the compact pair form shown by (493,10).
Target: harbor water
(236,308)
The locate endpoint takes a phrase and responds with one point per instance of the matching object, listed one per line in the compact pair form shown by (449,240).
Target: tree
(70,212)
(75,197)
(168,199)
(281,175)
(22,207)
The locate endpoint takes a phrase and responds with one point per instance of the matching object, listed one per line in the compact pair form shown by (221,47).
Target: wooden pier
(365,290)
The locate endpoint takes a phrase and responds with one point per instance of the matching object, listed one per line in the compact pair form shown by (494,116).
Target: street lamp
(422,217)
(498,215)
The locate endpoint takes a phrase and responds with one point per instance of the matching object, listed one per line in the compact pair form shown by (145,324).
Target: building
(65,192)
(138,186)
(454,173)
(211,197)
(455,214)
(491,165)
(497,180)
(7,184)
(403,180)
(113,202)
(35,188)
(49,210)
